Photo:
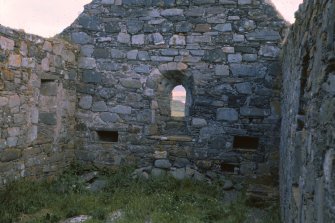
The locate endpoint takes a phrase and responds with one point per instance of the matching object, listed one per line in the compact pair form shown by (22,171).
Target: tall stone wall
(37,105)
(308,130)
(225,54)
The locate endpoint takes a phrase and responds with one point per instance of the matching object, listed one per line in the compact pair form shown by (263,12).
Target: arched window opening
(178,101)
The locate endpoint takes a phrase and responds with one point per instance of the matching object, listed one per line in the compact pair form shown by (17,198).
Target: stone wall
(225,54)
(37,105)
(308,131)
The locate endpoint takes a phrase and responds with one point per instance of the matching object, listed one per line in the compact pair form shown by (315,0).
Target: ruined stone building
(100,94)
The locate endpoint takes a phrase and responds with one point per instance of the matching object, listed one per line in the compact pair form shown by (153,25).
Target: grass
(163,200)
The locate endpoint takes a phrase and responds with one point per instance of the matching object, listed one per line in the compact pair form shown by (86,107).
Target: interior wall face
(308,108)
(225,53)
(37,105)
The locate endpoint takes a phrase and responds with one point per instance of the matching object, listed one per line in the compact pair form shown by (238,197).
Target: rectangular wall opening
(246,143)
(229,168)
(108,136)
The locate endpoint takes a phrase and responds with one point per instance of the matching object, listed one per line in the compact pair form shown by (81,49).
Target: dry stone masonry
(100,94)
(224,53)
(308,130)
(37,105)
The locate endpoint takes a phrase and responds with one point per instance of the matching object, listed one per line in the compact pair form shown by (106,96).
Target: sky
(49,17)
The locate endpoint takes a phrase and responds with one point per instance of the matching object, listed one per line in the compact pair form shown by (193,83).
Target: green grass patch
(163,200)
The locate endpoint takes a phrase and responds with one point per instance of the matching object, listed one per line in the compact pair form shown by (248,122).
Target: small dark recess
(246,143)
(108,136)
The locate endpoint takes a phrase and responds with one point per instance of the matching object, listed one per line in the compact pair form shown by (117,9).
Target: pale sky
(49,17)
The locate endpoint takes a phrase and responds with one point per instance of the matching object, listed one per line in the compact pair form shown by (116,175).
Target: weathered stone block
(172,12)
(86,102)
(177,40)
(109,117)
(6,44)
(121,109)
(80,38)
(263,35)
(10,155)
(163,164)
(14,101)
(123,38)
(86,63)
(48,118)
(138,39)
(99,106)
(199,122)
(269,51)
(227,114)
(3,101)
(131,83)
(245,70)
(90,76)
(249,111)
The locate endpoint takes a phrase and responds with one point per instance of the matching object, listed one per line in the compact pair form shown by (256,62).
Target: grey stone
(143,69)
(228,185)
(3,101)
(227,114)
(216,55)
(250,111)
(199,122)
(244,2)
(80,38)
(138,39)
(158,39)
(222,70)
(172,12)
(156,172)
(134,26)
(181,162)
(244,88)
(99,106)
(263,35)
(101,53)
(86,63)
(177,40)
(131,83)
(269,51)
(143,56)
(179,173)
(248,70)
(48,118)
(90,22)
(228,49)
(223,27)
(109,117)
(238,38)
(117,54)
(235,58)
(123,38)
(13,131)
(183,27)
(132,55)
(86,102)
(12,141)
(90,76)
(163,164)
(161,59)
(170,52)
(121,109)
(249,57)
(6,44)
